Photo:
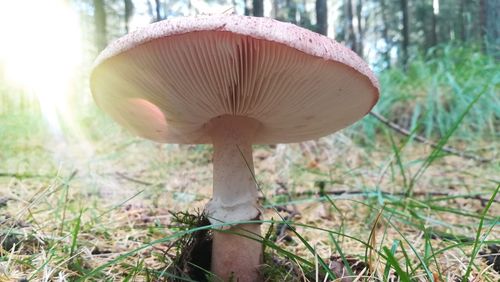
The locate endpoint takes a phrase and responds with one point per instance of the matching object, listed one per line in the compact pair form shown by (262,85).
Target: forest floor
(107,209)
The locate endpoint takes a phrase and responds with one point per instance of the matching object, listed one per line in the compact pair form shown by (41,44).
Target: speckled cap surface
(166,81)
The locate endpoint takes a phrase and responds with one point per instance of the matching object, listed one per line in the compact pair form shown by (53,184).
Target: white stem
(234,257)
(235,192)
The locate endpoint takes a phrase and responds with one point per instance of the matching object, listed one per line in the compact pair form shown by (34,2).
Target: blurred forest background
(432,56)
(387,32)
(79,196)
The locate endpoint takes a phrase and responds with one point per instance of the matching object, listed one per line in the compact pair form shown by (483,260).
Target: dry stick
(133,179)
(447,149)
(24,175)
(362,193)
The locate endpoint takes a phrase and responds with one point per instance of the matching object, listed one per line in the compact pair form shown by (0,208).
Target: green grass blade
(342,256)
(387,268)
(477,241)
(74,234)
(397,154)
(436,153)
(415,251)
(304,241)
(429,252)
(392,261)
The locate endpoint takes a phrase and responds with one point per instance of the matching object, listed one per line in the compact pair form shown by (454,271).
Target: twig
(133,179)
(24,175)
(361,193)
(423,140)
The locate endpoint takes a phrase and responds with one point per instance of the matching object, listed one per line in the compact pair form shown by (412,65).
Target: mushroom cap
(166,81)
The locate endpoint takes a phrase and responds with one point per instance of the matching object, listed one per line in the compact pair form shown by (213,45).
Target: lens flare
(41,51)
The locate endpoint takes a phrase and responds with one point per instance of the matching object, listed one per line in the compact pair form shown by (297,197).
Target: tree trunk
(462,21)
(405,33)
(292,11)
(351,36)
(321,17)
(359,48)
(490,26)
(274,12)
(258,8)
(157,11)
(150,10)
(100,24)
(434,19)
(128,11)
(385,34)
(247,11)
(482,21)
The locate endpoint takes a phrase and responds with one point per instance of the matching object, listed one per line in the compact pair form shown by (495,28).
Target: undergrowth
(435,89)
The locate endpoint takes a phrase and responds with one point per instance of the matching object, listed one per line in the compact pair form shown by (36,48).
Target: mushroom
(232,81)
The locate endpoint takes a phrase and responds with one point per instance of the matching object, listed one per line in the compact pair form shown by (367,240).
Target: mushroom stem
(236,253)
(237,258)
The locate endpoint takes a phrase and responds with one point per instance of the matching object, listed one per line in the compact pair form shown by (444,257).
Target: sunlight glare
(41,50)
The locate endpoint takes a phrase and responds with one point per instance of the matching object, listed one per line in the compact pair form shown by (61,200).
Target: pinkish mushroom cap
(165,82)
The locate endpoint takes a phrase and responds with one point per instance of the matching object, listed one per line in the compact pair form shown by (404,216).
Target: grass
(372,205)
(437,88)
